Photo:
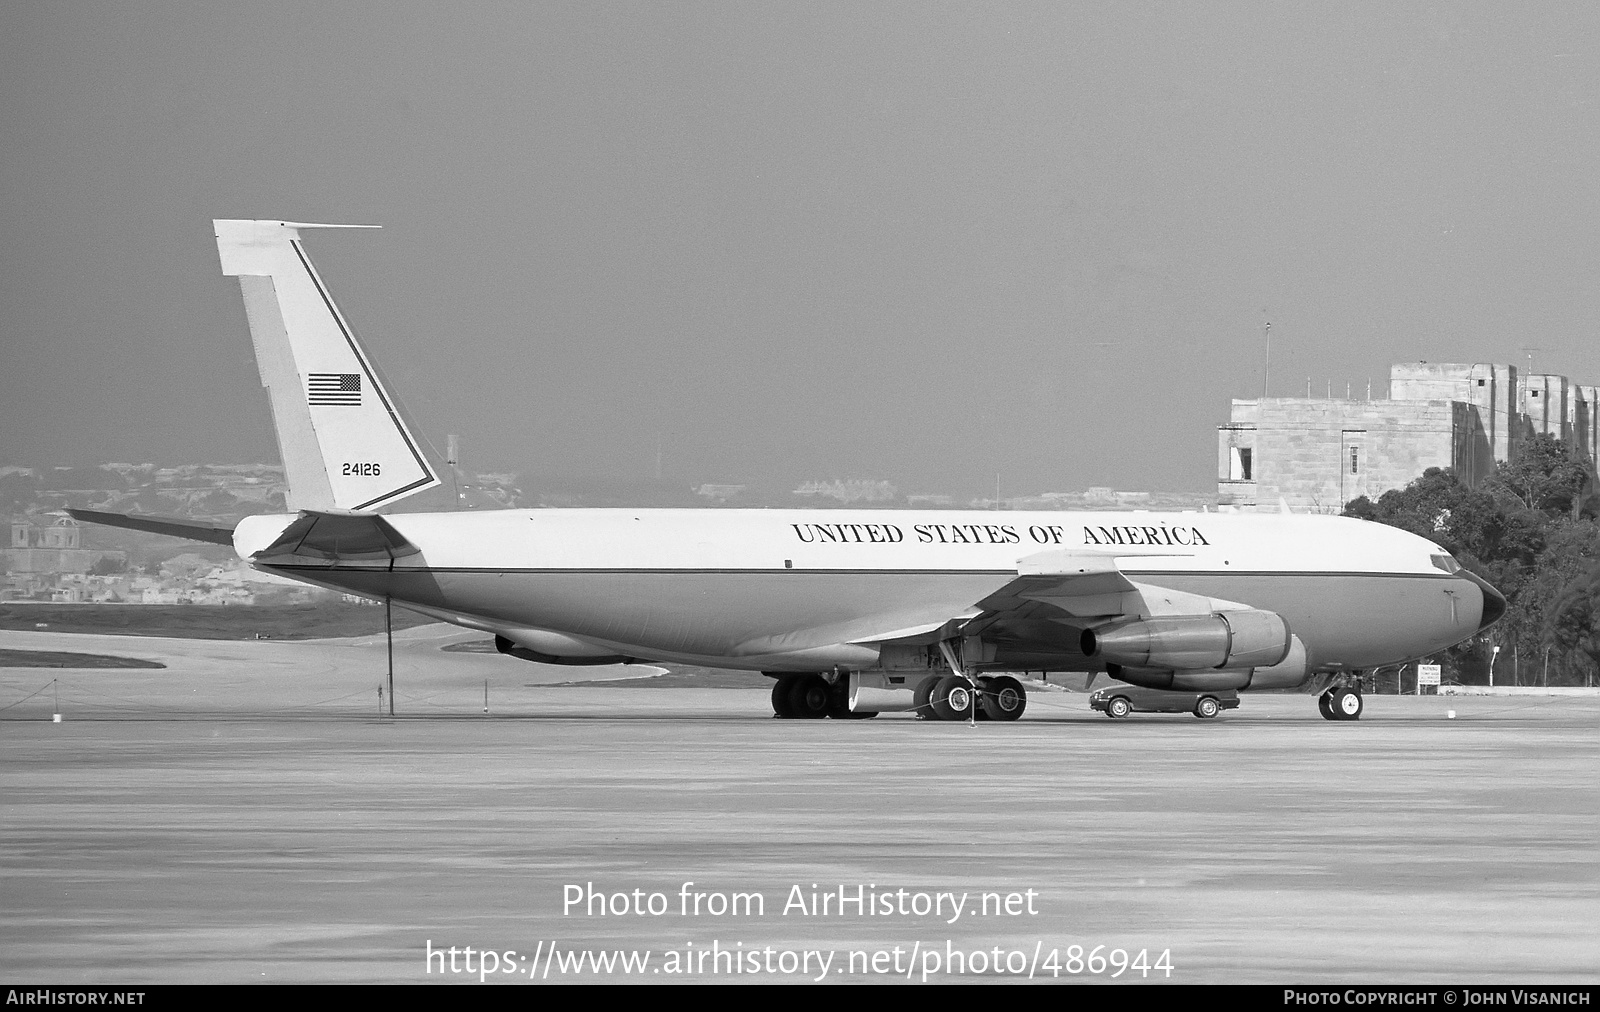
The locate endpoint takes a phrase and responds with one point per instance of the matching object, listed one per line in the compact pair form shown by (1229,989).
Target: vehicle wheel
(1325,705)
(922,698)
(952,698)
(1207,707)
(780,696)
(1118,707)
(1004,698)
(1347,705)
(808,697)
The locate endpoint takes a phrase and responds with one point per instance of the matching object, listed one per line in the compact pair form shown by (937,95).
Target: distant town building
(856,490)
(719,492)
(1318,453)
(52,544)
(1102,498)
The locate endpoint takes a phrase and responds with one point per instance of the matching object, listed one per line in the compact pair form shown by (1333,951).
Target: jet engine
(1286,674)
(1230,639)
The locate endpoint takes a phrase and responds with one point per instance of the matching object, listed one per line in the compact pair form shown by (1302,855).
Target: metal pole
(388,632)
(1266,372)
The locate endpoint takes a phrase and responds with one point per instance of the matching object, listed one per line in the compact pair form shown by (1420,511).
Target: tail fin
(344,444)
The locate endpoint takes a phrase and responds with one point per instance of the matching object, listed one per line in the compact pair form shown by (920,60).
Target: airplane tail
(341,435)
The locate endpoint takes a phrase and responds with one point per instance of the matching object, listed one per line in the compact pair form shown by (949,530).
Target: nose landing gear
(1341,702)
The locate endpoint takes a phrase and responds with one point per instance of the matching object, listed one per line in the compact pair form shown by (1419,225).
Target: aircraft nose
(1494,602)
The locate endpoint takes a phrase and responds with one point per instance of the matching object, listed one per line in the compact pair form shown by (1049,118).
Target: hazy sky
(787,241)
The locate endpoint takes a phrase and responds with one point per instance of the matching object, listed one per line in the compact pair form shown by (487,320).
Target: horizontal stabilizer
(339,536)
(173,527)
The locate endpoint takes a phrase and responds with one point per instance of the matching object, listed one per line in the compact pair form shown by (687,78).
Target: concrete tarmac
(181,826)
(288,677)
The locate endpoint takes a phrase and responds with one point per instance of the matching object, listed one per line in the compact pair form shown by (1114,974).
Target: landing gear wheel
(1004,698)
(952,698)
(1207,707)
(1325,705)
(1119,707)
(1346,704)
(922,698)
(808,697)
(780,696)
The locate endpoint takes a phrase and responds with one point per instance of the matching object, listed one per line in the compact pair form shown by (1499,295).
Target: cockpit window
(1446,563)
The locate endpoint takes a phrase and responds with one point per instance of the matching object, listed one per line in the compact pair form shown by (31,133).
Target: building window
(1239,468)
(1354,456)
(1480,383)
(1533,393)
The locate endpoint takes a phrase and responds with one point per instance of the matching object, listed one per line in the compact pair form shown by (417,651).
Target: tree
(1531,532)
(1574,619)
(1547,478)
(106,565)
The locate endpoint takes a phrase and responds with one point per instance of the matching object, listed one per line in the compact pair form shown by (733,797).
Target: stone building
(1319,453)
(55,545)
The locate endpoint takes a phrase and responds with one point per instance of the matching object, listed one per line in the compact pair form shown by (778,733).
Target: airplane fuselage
(789,590)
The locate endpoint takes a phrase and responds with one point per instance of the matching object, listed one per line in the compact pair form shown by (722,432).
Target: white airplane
(852,612)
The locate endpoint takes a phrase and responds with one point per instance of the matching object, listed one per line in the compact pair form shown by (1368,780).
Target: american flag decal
(334,388)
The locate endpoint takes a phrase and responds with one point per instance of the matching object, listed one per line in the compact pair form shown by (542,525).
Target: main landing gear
(956,697)
(937,697)
(1341,701)
(812,697)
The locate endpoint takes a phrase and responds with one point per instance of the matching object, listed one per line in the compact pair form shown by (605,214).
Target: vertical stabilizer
(344,444)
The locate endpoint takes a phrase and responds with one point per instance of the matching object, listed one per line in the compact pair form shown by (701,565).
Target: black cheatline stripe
(644,572)
(366,368)
(850,572)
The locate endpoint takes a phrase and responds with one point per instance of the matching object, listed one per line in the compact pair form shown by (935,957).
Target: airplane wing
(1041,613)
(173,527)
(1037,618)
(1080,583)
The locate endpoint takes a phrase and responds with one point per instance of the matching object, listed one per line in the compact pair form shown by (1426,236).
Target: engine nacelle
(1181,681)
(1286,674)
(1230,639)
(1293,670)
